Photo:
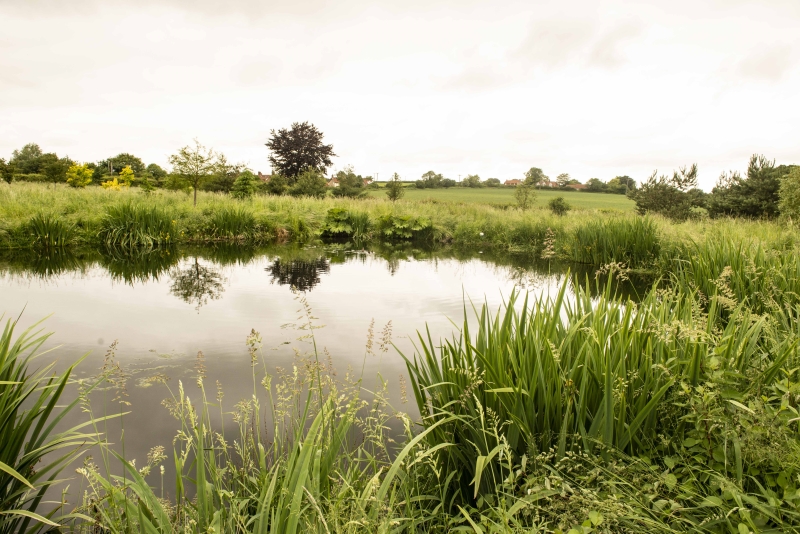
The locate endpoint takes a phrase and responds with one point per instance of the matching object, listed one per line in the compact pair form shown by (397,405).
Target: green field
(505,195)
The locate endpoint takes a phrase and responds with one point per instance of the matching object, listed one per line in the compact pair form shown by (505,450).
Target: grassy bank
(40,216)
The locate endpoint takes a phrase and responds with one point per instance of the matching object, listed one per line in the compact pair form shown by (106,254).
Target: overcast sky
(594,88)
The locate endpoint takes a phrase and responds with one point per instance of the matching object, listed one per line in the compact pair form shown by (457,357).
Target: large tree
(27,159)
(298,149)
(194,165)
(756,195)
(672,196)
(535,176)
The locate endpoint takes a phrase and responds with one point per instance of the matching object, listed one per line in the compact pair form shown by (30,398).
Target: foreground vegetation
(559,414)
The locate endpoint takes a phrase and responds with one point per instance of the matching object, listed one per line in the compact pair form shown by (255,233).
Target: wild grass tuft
(129,225)
(233,223)
(49,231)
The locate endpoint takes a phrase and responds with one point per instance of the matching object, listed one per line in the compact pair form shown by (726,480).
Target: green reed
(233,223)
(49,232)
(129,225)
(32,452)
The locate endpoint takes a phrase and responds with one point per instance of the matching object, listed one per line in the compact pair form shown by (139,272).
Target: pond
(161,308)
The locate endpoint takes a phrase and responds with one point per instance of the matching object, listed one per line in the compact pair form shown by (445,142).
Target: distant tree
(294,151)
(668,196)
(245,185)
(757,195)
(394,189)
(535,176)
(126,176)
(277,185)
(224,175)
(492,182)
(563,179)
(472,180)
(120,161)
(595,185)
(448,182)
(194,164)
(7,170)
(559,206)
(26,160)
(430,180)
(525,195)
(789,193)
(79,175)
(55,168)
(158,174)
(351,185)
(310,183)
(147,183)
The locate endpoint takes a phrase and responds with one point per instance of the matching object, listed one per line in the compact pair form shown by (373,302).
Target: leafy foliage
(558,206)
(757,195)
(245,185)
(194,165)
(277,185)
(668,196)
(298,150)
(340,222)
(394,188)
(789,204)
(79,175)
(403,227)
(351,185)
(524,195)
(310,183)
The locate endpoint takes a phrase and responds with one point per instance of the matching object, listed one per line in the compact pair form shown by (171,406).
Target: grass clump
(129,225)
(48,231)
(233,223)
(632,241)
(32,452)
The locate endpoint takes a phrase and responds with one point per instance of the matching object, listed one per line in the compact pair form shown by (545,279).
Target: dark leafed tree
(301,275)
(298,149)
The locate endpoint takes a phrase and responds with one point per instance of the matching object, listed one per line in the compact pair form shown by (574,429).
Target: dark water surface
(163,307)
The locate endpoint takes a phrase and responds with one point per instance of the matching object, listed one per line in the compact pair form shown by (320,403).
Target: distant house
(333,182)
(513,183)
(578,187)
(264,177)
(367,181)
(550,184)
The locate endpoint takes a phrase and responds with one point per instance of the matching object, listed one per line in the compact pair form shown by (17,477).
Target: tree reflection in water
(196,284)
(300,274)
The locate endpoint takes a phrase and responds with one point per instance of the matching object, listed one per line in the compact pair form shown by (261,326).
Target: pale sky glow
(592,88)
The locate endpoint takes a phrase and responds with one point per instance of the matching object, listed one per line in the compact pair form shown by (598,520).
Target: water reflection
(196,273)
(197,284)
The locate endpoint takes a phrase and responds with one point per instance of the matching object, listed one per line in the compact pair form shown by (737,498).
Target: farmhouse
(513,183)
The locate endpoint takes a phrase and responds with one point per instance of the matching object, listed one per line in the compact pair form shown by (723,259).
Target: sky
(593,88)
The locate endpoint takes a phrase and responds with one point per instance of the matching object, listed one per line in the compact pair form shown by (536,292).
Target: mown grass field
(505,195)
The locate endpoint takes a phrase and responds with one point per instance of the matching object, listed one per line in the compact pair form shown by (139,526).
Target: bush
(311,183)
(245,185)
(276,185)
(558,206)
(790,195)
(340,222)
(351,185)
(525,196)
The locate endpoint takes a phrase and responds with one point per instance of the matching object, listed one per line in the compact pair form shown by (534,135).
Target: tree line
(766,191)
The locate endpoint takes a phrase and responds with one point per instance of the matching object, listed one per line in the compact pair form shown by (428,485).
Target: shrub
(790,195)
(525,196)
(276,185)
(245,185)
(558,206)
(394,189)
(310,183)
(49,231)
(351,185)
(131,225)
(79,175)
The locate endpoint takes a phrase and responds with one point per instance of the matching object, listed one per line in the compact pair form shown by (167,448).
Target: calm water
(164,307)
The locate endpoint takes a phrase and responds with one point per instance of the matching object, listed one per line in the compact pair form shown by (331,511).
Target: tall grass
(633,241)
(561,377)
(50,232)
(128,225)
(32,452)
(233,223)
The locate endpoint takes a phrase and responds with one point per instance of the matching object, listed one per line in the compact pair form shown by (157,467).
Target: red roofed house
(513,183)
